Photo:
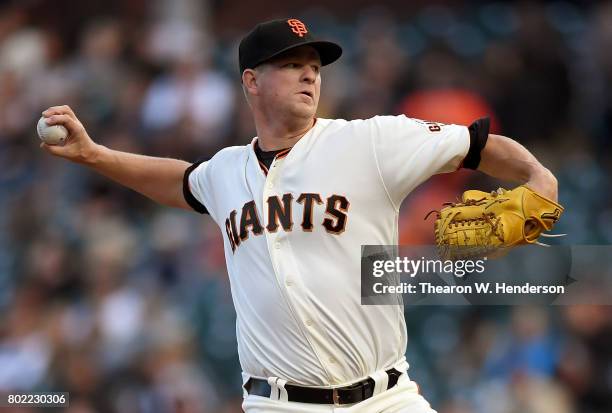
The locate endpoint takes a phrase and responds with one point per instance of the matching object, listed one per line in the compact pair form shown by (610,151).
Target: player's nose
(309,74)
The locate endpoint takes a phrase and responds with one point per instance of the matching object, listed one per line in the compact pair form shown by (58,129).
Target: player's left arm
(508,160)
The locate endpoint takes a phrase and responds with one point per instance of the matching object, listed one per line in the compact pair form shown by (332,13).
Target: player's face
(291,82)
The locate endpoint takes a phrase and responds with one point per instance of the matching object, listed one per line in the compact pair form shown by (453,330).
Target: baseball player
(295,205)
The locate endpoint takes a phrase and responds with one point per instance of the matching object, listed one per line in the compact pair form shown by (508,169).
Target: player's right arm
(160,179)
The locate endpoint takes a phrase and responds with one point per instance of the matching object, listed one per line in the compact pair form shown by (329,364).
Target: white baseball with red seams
(51,135)
(293,238)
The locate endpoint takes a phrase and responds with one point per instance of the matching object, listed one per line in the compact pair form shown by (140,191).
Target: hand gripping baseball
(79,147)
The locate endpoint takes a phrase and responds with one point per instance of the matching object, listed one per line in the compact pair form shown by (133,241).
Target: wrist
(92,155)
(544,183)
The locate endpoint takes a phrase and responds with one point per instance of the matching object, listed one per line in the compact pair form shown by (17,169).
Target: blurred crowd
(126,305)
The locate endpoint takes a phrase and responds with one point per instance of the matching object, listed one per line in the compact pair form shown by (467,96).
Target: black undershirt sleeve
(479,133)
(191,200)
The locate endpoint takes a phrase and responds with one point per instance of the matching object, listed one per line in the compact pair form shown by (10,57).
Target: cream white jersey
(293,237)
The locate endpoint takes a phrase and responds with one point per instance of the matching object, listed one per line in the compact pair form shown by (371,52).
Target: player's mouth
(307,93)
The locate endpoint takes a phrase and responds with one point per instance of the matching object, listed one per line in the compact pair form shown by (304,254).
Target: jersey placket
(286,270)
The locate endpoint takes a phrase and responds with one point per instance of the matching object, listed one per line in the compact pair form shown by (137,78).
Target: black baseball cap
(271,38)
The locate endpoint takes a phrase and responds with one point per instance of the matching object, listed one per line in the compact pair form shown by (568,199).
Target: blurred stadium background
(126,305)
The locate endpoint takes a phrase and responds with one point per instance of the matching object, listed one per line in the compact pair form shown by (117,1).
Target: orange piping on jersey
(263,167)
(285,152)
(282,154)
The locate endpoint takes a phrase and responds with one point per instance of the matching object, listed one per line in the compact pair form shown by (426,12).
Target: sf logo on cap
(297,27)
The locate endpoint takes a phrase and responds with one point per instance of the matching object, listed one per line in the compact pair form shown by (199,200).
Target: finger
(65,120)
(52,149)
(69,111)
(59,110)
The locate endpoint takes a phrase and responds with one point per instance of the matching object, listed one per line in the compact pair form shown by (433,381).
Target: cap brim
(329,52)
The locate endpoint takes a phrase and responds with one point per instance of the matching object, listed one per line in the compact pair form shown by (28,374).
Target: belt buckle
(336,397)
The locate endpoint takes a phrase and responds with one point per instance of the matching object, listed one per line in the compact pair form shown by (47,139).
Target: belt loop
(282,392)
(381,380)
(274,390)
(402,365)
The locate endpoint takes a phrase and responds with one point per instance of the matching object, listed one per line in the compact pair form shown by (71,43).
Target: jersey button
(309,323)
(289,282)
(277,245)
(332,360)
(270,185)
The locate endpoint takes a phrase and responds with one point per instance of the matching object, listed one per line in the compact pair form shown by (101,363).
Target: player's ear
(249,81)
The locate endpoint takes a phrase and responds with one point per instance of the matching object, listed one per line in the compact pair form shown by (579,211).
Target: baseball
(51,135)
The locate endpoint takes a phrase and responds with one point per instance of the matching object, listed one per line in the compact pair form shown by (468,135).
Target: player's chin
(305,109)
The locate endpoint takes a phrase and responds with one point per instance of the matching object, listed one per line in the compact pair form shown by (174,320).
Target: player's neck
(271,137)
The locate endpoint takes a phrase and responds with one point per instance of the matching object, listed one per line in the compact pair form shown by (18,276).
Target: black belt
(354,393)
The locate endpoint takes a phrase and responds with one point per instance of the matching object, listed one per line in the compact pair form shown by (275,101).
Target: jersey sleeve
(479,135)
(409,151)
(195,186)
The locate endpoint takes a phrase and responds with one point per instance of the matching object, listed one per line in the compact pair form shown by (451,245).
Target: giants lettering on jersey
(239,226)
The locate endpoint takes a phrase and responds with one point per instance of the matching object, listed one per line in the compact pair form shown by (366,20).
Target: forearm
(159,179)
(506,159)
